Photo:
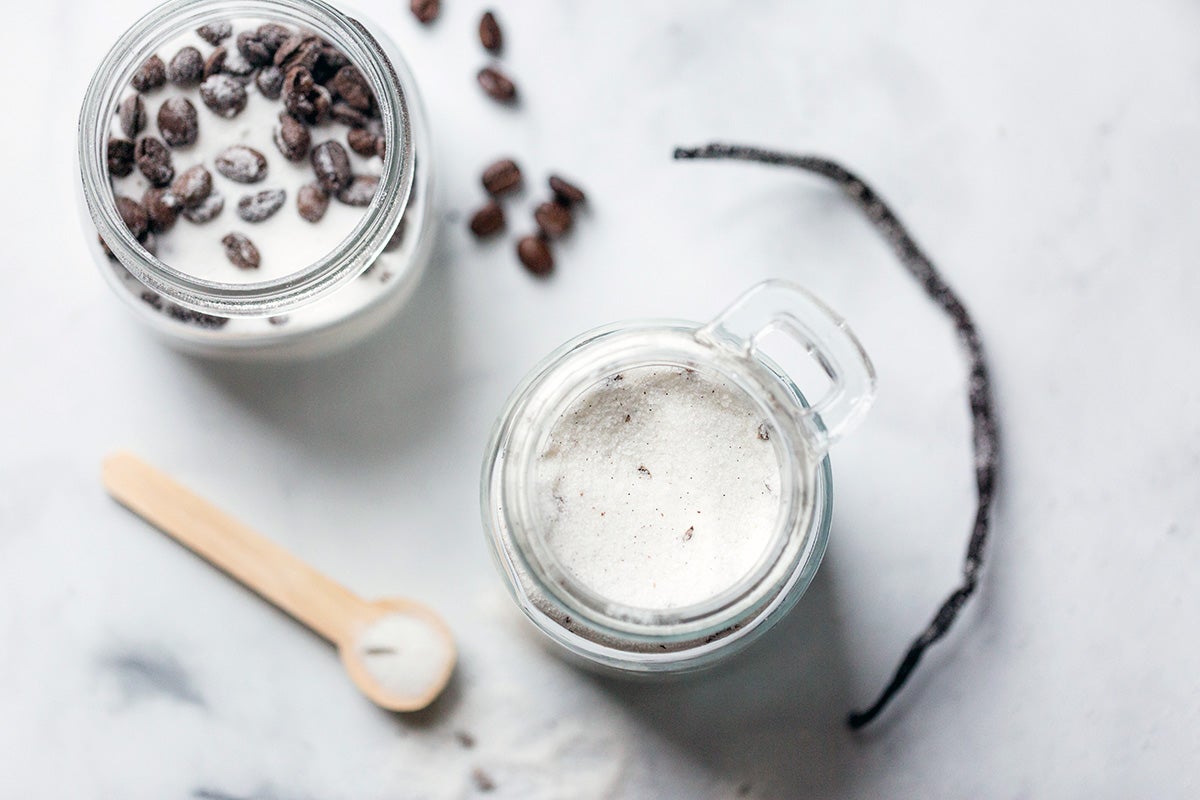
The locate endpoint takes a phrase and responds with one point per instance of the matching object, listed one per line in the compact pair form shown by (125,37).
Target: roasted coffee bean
(269,81)
(312,201)
(207,210)
(361,141)
(304,98)
(299,50)
(241,251)
(133,215)
(215,63)
(131,114)
(154,160)
(261,205)
(223,95)
(186,67)
(215,33)
(273,35)
(120,157)
(534,253)
(150,75)
(238,66)
(489,33)
(497,85)
(162,209)
(426,11)
(193,186)
(343,113)
(292,138)
(350,85)
(329,61)
(178,123)
(553,219)
(566,193)
(332,166)
(241,163)
(502,176)
(359,191)
(253,49)
(488,220)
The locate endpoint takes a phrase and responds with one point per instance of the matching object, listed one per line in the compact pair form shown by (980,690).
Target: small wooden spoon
(398,652)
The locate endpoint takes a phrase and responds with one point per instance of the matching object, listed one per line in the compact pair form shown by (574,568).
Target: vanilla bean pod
(979,390)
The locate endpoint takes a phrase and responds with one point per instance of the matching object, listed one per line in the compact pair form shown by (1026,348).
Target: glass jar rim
(344,262)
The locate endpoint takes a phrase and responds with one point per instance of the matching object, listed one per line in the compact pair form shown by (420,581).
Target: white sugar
(405,654)
(659,487)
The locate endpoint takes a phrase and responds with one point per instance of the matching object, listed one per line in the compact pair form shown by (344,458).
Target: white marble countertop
(1046,155)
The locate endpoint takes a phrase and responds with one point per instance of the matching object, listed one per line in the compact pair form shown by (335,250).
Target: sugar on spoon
(398,652)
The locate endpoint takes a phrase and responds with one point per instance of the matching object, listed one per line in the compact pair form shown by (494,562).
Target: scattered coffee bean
(133,215)
(278,319)
(253,48)
(120,157)
(178,123)
(361,141)
(186,67)
(497,85)
(426,11)
(332,166)
(215,33)
(241,163)
(193,186)
(345,114)
(553,219)
(223,95)
(261,205)
(162,208)
(269,81)
(359,191)
(241,251)
(534,253)
(273,35)
(488,220)
(300,50)
(489,33)
(131,114)
(150,75)
(304,98)
(350,85)
(312,202)
(206,211)
(292,138)
(154,160)
(565,192)
(502,176)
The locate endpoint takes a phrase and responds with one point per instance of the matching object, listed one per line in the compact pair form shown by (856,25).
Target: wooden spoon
(398,652)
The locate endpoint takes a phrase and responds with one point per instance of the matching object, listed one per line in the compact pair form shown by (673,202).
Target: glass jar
(611,632)
(341,294)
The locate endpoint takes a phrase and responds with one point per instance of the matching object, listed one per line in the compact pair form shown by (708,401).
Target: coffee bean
(426,11)
(350,85)
(331,165)
(304,98)
(553,219)
(253,49)
(206,211)
(150,243)
(241,163)
(131,115)
(359,191)
(258,207)
(487,220)
(361,141)
(154,160)
(193,186)
(186,67)
(269,81)
(292,138)
(241,251)
(178,123)
(489,33)
(534,253)
(497,85)
(329,61)
(238,66)
(223,95)
(120,157)
(215,33)
(215,63)
(299,50)
(104,246)
(566,193)
(502,176)
(343,113)
(150,75)
(312,201)
(162,208)
(133,215)
(273,35)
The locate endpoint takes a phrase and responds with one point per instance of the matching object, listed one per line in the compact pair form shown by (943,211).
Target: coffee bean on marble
(553,219)
(361,141)
(488,220)
(261,205)
(241,163)
(332,166)
(120,157)
(186,67)
(498,86)
(150,75)
(206,211)
(131,114)
(215,33)
(350,85)
(241,251)
(490,35)
(269,81)
(292,138)
(359,191)
(253,48)
(312,201)
(534,253)
(501,177)
(426,11)
(133,215)
(566,192)
(162,208)
(193,186)
(347,115)
(225,96)
(154,161)
(178,122)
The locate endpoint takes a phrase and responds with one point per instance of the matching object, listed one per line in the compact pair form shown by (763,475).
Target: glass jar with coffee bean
(257,172)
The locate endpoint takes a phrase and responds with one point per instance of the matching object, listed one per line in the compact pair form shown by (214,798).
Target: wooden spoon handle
(320,603)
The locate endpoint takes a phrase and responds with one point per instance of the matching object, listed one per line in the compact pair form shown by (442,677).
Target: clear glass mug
(343,294)
(599,631)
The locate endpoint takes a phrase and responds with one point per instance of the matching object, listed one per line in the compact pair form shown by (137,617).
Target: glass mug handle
(783,306)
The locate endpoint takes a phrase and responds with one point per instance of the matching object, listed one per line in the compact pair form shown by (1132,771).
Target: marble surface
(1048,157)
